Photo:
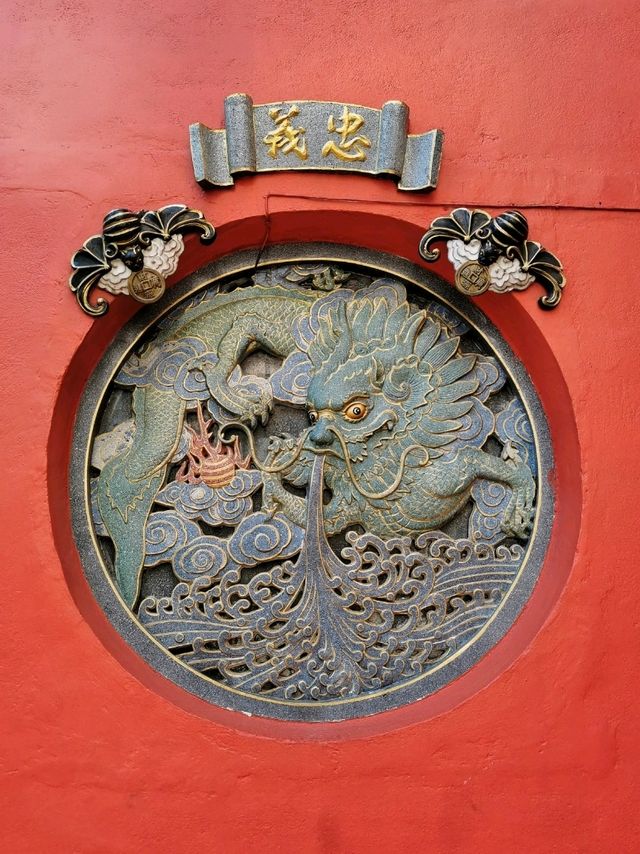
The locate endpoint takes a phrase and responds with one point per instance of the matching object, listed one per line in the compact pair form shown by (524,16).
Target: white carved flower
(507,275)
(459,251)
(115,280)
(163,256)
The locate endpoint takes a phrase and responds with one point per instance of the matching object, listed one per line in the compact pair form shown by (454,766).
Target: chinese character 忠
(350,147)
(285,137)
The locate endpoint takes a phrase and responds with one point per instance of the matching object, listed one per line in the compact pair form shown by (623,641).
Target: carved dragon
(395,408)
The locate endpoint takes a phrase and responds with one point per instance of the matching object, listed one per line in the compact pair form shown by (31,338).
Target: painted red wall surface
(537,749)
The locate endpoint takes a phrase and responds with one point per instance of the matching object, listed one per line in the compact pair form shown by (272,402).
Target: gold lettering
(349,146)
(285,137)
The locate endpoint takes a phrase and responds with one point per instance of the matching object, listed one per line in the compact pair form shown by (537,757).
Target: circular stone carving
(315,491)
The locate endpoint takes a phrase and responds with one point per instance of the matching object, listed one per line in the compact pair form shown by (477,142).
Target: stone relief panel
(316,488)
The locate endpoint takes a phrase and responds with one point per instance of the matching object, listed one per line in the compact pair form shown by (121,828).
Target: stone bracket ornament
(315,135)
(493,253)
(134,254)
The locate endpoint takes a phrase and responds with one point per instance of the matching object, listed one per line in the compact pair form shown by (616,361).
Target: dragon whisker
(373,496)
(260,465)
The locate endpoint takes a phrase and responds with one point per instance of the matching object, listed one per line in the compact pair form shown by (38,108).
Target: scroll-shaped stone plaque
(315,490)
(316,135)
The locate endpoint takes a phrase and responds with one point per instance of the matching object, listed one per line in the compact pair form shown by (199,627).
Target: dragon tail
(129,482)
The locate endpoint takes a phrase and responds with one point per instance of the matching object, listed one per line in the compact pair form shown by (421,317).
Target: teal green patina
(340,514)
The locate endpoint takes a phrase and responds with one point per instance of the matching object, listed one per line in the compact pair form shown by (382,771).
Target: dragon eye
(313,417)
(355,411)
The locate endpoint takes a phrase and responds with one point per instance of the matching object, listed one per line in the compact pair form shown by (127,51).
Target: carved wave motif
(386,611)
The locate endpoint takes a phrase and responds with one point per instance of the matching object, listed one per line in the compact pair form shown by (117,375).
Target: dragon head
(368,376)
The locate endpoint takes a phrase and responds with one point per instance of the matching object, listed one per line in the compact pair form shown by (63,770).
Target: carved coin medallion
(313,491)
(472,278)
(146,285)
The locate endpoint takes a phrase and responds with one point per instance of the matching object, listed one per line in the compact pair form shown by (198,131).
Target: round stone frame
(201,686)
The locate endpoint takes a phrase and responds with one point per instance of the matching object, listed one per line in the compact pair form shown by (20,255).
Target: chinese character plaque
(315,135)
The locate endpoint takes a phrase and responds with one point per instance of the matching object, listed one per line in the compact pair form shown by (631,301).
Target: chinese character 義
(349,146)
(285,137)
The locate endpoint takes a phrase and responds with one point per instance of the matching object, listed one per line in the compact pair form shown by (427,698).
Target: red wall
(535,749)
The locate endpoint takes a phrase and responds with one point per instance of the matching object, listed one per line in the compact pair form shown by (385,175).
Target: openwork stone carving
(316,488)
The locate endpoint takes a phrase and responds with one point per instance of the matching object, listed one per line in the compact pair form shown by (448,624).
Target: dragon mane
(408,355)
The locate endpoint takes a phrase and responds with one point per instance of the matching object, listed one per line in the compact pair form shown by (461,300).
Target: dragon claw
(253,408)
(518,517)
